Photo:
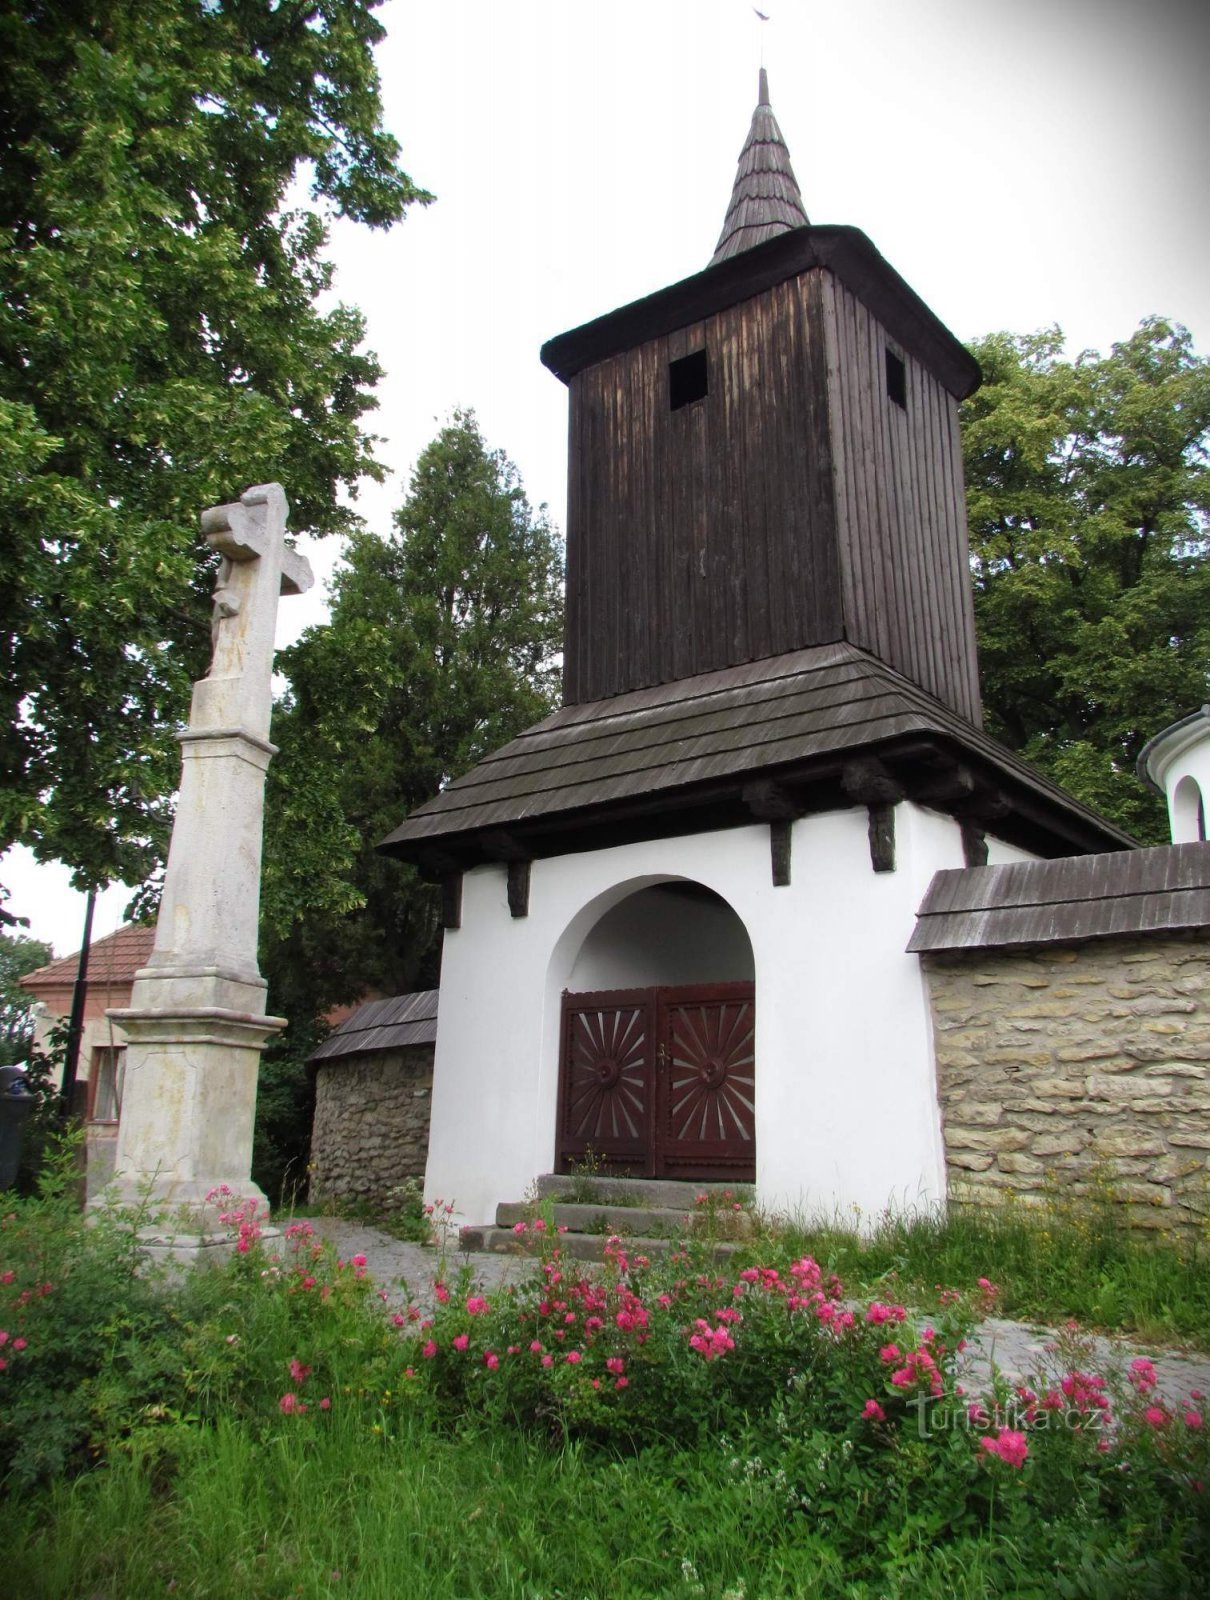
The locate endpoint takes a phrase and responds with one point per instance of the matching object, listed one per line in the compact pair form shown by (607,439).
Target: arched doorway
(657,1064)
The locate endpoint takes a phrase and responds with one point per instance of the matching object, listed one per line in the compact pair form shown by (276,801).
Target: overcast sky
(1021,164)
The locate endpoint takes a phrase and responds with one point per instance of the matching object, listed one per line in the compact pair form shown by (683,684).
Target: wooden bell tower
(765,457)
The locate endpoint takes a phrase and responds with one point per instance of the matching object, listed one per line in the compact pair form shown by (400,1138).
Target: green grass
(1051,1263)
(228,1514)
(165,1463)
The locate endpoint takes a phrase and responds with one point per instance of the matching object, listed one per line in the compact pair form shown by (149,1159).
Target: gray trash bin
(15,1104)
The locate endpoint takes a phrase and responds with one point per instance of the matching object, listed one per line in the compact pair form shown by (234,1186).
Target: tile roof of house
(1165,888)
(766,199)
(696,743)
(389,1024)
(112,960)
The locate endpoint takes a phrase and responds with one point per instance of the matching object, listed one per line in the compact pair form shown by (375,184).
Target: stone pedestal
(197,1021)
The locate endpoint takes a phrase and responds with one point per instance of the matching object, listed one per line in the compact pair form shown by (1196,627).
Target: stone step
(576,1246)
(657,1222)
(663,1194)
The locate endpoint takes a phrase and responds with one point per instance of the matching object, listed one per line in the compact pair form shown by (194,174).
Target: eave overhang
(699,755)
(845,252)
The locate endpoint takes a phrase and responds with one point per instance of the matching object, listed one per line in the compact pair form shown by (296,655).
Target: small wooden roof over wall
(391,1024)
(1165,889)
(681,757)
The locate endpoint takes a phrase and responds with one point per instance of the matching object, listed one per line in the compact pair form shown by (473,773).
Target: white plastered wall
(846,1103)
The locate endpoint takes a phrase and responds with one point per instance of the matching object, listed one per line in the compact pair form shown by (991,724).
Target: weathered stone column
(197,1024)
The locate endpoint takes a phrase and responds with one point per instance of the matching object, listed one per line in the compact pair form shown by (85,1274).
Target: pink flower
(1192,1419)
(520,1227)
(621,1383)
(574,1356)
(873,1412)
(548,1361)
(399,1319)
(441,1293)
(1009,1445)
(1142,1374)
(475,1304)
(491,1360)
(902,1377)
(889,1353)
(429,1350)
(291,1404)
(298,1372)
(325,1404)
(461,1340)
(535,1346)
(615,1364)
(359,1261)
(1156,1416)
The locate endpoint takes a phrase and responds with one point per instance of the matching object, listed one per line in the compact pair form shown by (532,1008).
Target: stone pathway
(1017,1349)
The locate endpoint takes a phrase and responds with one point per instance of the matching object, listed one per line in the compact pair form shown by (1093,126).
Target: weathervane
(764,17)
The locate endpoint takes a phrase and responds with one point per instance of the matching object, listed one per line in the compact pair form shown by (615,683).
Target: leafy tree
(1089,497)
(160,349)
(443,643)
(18,955)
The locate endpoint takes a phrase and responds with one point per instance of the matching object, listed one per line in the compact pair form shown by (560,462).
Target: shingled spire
(765,200)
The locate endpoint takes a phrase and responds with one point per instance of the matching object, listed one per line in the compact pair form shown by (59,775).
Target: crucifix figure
(249,535)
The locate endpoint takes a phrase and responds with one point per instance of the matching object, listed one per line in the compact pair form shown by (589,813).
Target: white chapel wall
(846,1102)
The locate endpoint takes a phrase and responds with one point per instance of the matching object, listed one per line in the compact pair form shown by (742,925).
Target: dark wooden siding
(900,509)
(704,537)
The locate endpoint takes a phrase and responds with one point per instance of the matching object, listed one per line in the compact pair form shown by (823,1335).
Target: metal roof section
(765,200)
(1164,747)
(679,755)
(391,1024)
(1165,888)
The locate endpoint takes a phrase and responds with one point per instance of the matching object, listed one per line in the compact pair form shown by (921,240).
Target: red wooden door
(660,1082)
(706,1083)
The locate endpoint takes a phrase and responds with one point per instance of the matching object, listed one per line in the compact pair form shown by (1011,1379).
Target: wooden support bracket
(867,781)
(974,845)
(518,888)
(779,852)
(451,900)
(882,837)
(770,802)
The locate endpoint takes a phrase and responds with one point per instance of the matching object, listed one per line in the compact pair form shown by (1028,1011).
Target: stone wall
(1075,1068)
(371,1128)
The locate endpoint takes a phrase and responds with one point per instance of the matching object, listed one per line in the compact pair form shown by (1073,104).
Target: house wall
(1068,1068)
(371,1128)
(846,1103)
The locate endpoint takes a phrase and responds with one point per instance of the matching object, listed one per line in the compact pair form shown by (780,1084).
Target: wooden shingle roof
(1165,888)
(765,199)
(389,1024)
(677,757)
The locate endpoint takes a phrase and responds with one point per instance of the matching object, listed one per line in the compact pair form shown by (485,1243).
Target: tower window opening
(688,380)
(896,380)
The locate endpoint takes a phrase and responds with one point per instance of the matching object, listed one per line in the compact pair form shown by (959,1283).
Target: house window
(688,380)
(106,1078)
(896,379)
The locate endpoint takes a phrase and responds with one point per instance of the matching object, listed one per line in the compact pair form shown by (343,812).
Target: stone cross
(256,566)
(196,1024)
